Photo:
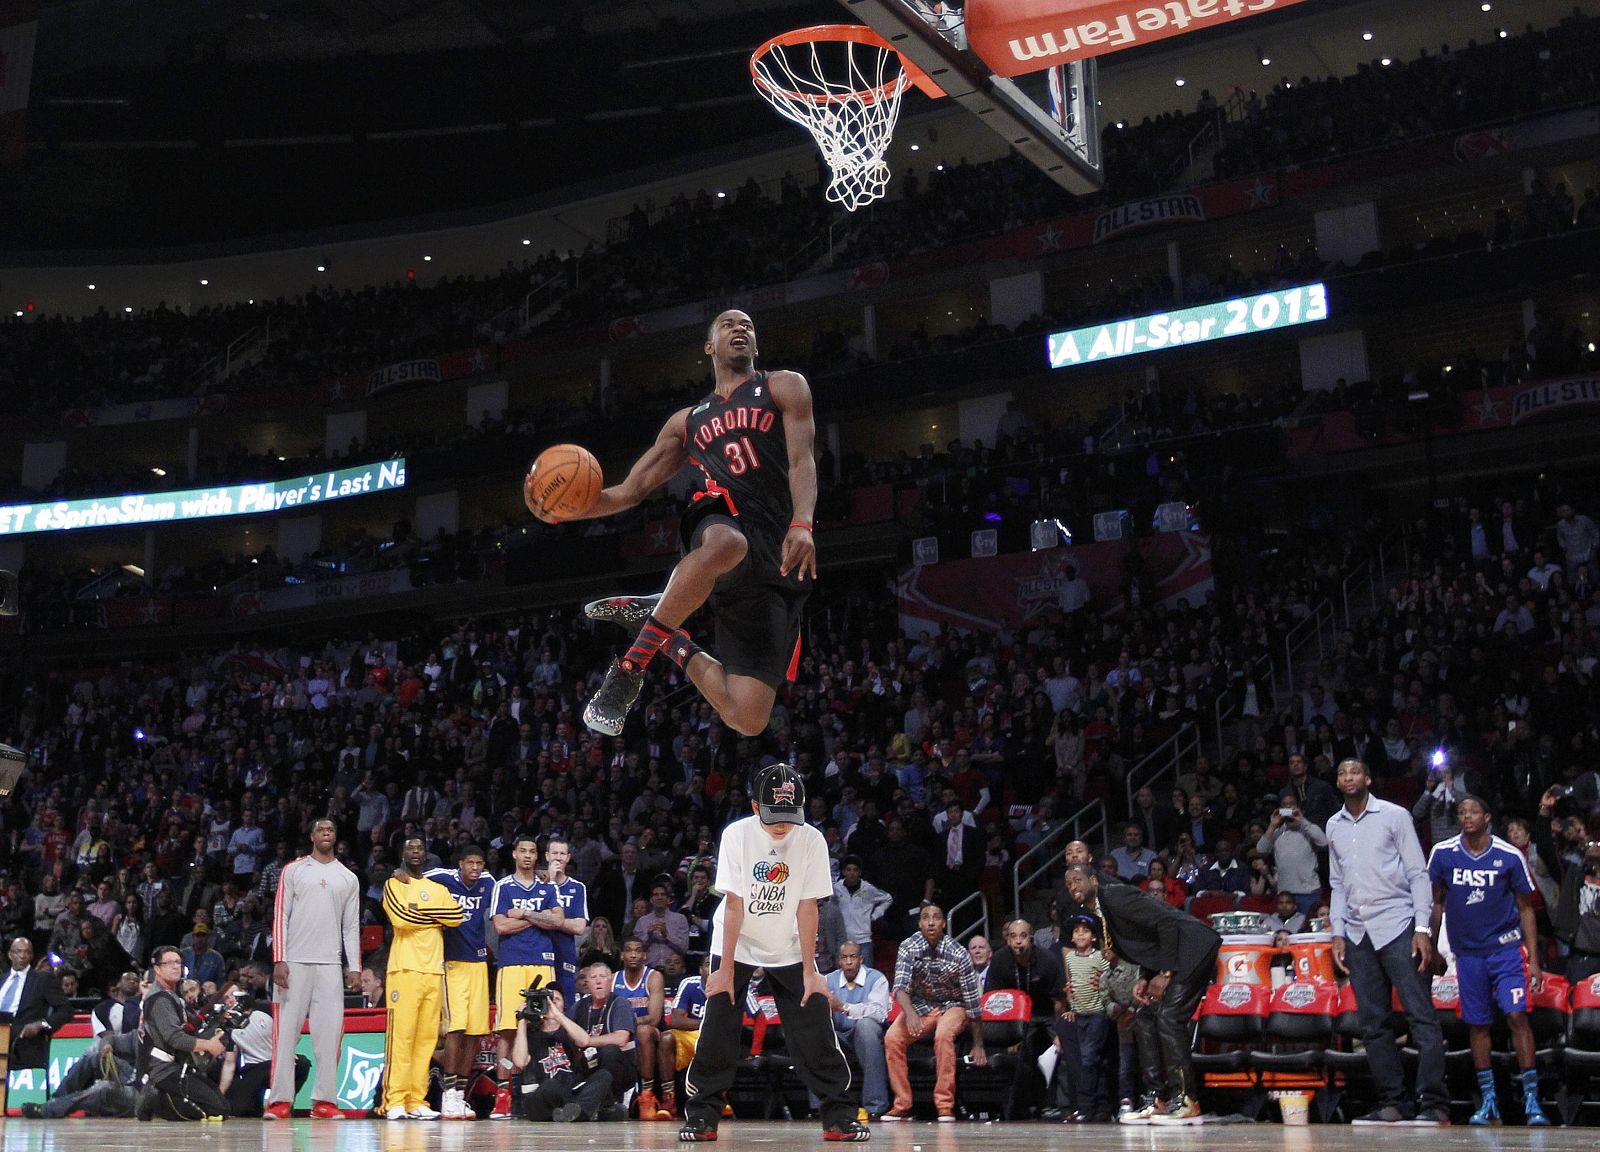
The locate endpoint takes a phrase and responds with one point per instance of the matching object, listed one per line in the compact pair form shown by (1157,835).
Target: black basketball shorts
(756,614)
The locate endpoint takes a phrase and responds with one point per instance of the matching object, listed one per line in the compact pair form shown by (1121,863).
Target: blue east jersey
(638,996)
(533,944)
(469,941)
(574,899)
(690,998)
(1480,894)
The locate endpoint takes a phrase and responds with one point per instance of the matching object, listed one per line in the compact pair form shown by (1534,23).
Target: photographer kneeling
(559,1082)
(244,1073)
(174,1088)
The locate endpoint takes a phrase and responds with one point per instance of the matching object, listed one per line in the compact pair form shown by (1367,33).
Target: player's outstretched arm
(793,396)
(658,465)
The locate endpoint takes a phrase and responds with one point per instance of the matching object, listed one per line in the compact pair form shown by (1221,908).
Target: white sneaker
(398,1112)
(455,1106)
(421,1112)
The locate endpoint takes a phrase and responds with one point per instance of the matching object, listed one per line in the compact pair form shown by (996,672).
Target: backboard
(1051,117)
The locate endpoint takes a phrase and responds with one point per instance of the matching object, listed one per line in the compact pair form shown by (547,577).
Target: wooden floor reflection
(18,1135)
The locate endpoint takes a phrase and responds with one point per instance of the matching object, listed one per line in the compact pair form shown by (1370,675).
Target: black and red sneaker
(608,711)
(852,1130)
(697,1131)
(629,611)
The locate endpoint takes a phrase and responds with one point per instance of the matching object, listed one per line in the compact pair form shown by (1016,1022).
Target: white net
(847,95)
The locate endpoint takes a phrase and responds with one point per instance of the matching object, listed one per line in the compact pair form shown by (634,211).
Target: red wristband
(800,524)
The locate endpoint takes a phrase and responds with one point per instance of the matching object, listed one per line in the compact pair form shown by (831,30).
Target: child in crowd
(1083,1028)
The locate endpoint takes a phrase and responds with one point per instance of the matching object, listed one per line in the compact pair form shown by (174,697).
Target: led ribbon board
(203,503)
(1242,316)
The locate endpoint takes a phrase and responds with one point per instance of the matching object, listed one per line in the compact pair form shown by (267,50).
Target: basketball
(564,482)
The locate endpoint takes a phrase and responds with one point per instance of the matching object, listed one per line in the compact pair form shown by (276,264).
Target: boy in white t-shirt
(772,870)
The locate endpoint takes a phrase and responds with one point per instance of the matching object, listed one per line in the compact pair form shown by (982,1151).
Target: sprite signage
(360,1071)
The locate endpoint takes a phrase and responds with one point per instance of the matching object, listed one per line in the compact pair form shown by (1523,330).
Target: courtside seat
(1231,1019)
(1265,905)
(1007,1019)
(1299,1027)
(1583,1032)
(1581,1055)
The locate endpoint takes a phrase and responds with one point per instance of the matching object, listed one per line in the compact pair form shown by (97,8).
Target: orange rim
(843,34)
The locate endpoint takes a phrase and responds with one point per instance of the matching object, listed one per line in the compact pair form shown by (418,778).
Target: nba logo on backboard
(783,793)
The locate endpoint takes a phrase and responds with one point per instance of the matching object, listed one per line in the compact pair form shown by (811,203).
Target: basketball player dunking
(747,540)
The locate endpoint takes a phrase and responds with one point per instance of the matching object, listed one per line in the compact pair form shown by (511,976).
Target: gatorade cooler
(1245,960)
(1313,956)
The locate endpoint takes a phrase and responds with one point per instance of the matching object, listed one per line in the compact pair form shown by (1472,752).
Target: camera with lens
(535,1003)
(221,1016)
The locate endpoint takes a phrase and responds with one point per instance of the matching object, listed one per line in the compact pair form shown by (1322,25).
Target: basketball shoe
(608,711)
(629,611)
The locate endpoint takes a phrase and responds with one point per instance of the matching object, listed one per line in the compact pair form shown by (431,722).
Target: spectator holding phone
(1293,843)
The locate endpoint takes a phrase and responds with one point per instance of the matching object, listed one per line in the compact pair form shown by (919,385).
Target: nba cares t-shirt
(771,877)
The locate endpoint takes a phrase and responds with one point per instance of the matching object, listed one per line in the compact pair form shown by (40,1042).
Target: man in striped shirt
(939,994)
(317,915)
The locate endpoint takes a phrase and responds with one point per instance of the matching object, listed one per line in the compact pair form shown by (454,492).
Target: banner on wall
(360,1064)
(347,588)
(977,595)
(405,372)
(202,503)
(1481,410)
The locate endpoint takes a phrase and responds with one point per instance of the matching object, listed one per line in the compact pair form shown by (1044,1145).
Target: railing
(962,931)
(1081,824)
(544,292)
(1226,705)
(1303,634)
(238,354)
(1209,136)
(1376,569)
(1166,757)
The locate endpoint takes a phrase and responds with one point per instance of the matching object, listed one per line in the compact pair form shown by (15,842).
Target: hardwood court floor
(376,1136)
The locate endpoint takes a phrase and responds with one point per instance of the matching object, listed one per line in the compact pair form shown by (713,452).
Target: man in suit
(1177,958)
(958,856)
(36,1005)
(616,887)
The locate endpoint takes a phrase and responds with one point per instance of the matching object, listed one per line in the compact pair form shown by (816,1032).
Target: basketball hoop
(842,83)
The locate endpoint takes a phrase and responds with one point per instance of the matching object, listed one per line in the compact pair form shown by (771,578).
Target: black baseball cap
(780,795)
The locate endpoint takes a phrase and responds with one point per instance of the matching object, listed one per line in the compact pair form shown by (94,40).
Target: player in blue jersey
(1483,885)
(466,977)
(574,898)
(522,908)
(645,989)
(680,1034)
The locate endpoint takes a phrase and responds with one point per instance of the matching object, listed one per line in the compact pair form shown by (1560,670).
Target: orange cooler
(1313,956)
(1246,960)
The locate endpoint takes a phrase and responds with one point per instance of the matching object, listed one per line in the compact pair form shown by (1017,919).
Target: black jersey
(737,445)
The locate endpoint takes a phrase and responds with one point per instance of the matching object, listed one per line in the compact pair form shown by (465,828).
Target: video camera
(221,1017)
(535,1002)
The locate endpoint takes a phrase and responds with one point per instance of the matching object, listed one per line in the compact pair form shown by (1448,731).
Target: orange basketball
(564,482)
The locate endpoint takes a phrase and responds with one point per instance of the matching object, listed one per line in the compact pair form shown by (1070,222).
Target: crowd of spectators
(701,246)
(163,798)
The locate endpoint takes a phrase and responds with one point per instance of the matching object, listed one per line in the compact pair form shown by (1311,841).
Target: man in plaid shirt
(938,992)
